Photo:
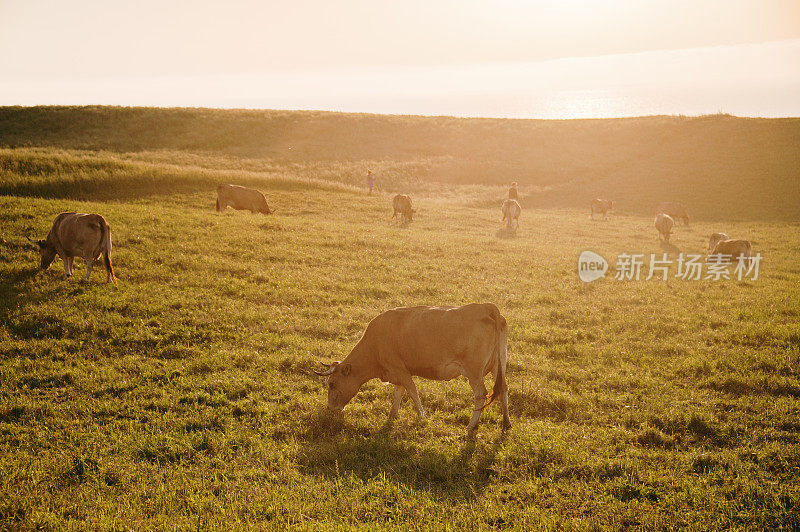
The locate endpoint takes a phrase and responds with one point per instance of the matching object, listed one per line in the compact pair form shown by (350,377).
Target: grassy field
(183,396)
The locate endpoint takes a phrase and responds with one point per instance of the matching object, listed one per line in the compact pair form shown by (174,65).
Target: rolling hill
(722,167)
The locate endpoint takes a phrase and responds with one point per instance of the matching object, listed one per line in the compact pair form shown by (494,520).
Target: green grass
(183,396)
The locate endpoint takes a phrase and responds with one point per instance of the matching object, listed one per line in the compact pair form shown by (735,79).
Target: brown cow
(77,235)
(511,211)
(601,206)
(402,203)
(241,198)
(438,343)
(715,239)
(735,249)
(664,224)
(674,209)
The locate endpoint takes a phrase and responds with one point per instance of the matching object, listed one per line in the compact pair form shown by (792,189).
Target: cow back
(435,342)
(78,234)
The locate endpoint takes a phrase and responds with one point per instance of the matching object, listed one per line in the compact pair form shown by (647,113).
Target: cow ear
(346,368)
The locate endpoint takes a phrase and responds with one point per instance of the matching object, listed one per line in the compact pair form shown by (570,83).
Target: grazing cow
(438,343)
(77,235)
(241,198)
(736,249)
(601,206)
(674,209)
(402,204)
(715,239)
(664,224)
(511,210)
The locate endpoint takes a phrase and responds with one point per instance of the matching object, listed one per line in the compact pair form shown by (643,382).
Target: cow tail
(501,351)
(105,237)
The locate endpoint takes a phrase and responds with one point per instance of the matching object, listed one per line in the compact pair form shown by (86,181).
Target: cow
(664,224)
(76,234)
(402,204)
(241,198)
(438,343)
(716,238)
(734,249)
(601,206)
(511,210)
(674,209)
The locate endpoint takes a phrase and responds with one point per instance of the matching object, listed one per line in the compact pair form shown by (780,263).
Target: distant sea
(757,80)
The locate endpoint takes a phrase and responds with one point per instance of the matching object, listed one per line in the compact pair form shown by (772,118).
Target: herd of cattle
(439,343)
(667,212)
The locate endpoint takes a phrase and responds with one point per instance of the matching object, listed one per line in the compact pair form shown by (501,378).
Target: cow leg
(67,267)
(504,409)
(479,395)
(399,392)
(89,264)
(409,385)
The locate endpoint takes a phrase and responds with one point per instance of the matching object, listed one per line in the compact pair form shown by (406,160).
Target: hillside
(721,167)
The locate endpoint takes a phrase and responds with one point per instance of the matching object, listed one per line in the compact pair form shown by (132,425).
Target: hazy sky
(74,38)
(55,49)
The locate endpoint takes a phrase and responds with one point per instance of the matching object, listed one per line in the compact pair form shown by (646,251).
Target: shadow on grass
(132,183)
(506,232)
(399,224)
(15,290)
(11,289)
(669,248)
(459,471)
(113,187)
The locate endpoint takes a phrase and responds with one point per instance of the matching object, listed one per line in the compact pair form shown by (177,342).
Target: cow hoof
(506,426)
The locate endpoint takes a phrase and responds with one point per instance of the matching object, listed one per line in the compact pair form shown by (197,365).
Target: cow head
(47,252)
(342,385)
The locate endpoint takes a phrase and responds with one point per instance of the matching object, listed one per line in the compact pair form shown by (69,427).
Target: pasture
(184,395)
